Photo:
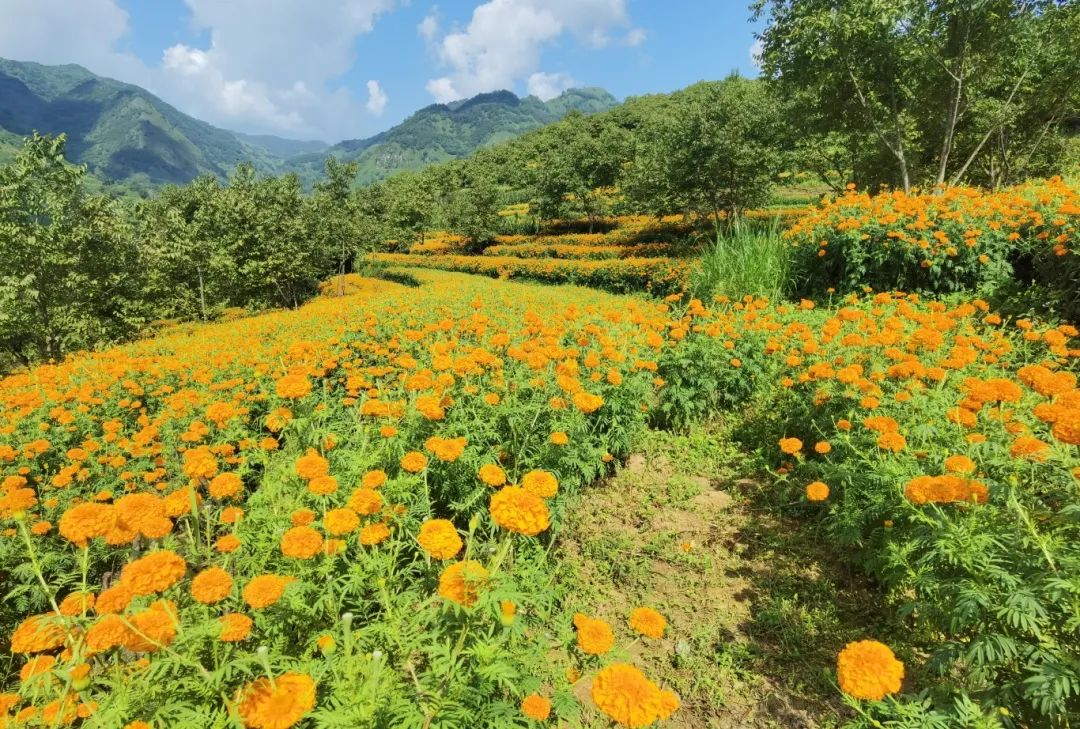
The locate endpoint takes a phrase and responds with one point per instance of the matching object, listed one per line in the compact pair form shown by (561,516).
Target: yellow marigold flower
(374,534)
(560,438)
(517,510)
(817,491)
(365,501)
(278,705)
(212,585)
(413,462)
(235,627)
(461,582)
(322,485)
(292,387)
(587,402)
(627,697)
(542,483)
(867,669)
(790,446)
(311,465)
(373,479)
(536,707)
(341,521)
(155,572)
(447,450)
(492,475)
(265,590)
(594,636)
(507,611)
(301,542)
(648,622)
(439,538)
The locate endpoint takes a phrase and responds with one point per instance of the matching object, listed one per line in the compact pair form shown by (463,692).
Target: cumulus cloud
(267,66)
(504,39)
(377,98)
(546,86)
(429,26)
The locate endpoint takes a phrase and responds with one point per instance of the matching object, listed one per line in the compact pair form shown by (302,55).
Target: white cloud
(546,86)
(429,26)
(636,37)
(267,67)
(377,98)
(504,39)
(756,49)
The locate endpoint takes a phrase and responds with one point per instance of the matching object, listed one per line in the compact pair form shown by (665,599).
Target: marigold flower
(278,705)
(36,666)
(107,633)
(542,483)
(447,450)
(37,634)
(153,628)
(559,438)
(235,627)
(225,486)
(536,707)
(373,479)
(790,446)
(867,669)
(77,603)
(341,521)
(627,697)
(959,464)
(374,534)
(517,510)
(301,542)
(365,501)
(587,402)
(322,485)
(311,465)
(84,522)
(115,599)
(648,622)
(439,538)
(822,447)
(461,582)
(414,462)
(817,491)
(227,543)
(491,475)
(594,636)
(292,387)
(155,572)
(265,590)
(891,442)
(211,585)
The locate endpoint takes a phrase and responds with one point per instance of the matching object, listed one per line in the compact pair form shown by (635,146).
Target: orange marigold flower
(311,465)
(594,636)
(627,697)
(790,446)
(115,599)
(227,543)
(822,447)
(77,603)
(648,622)
(891,442)
(414,462)
(108,632)
(301,542)
(373,479)
(37,634)
(817,491)
(278,705)
(365,501)
(492,475)
(587,402)
(341,521)
(84,522)
(292,387)
(517,510)
(374,534)
(36,666)
(439,538)
(959,464)
(322,485)
(542,483)
(461,582)
(265,590)
(536,707)
(867,669)
(155,572)
(212,585)
(152,628)
(1030,448)
(234,627)
(447,450)
(560,438)
(225,486)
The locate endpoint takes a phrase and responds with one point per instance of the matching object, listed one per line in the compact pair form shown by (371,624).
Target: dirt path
(757,607)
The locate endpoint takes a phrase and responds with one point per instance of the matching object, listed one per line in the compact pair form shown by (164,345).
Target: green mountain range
(124,134)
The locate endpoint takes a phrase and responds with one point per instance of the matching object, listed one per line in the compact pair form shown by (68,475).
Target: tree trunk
(202,294)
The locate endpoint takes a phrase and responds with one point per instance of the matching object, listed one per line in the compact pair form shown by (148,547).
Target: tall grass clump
(745,260)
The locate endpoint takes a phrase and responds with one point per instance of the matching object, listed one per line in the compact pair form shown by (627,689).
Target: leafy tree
(470,201)
(713,151)
(331,214)
(934,84)
(69,270)
(409,205)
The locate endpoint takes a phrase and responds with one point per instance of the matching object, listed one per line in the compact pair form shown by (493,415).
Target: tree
(931,82)
(70,275)
(470,202)
(712,150)
(332,218)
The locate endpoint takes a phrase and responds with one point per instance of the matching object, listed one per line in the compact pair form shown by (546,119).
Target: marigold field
(349,515)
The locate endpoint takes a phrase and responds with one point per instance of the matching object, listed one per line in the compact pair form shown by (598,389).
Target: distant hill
(124,134)
(118,130)
(442,132)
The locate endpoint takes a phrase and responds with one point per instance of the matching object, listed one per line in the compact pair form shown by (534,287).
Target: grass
(757,604)
(745,259)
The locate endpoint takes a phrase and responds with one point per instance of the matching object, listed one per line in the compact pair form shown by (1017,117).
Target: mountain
(441,132)
(120,131)
(124,134)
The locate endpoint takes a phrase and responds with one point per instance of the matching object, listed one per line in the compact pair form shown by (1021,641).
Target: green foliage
(69,270)
(745,260)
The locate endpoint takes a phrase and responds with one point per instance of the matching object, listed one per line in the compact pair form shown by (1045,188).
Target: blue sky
(335,69)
